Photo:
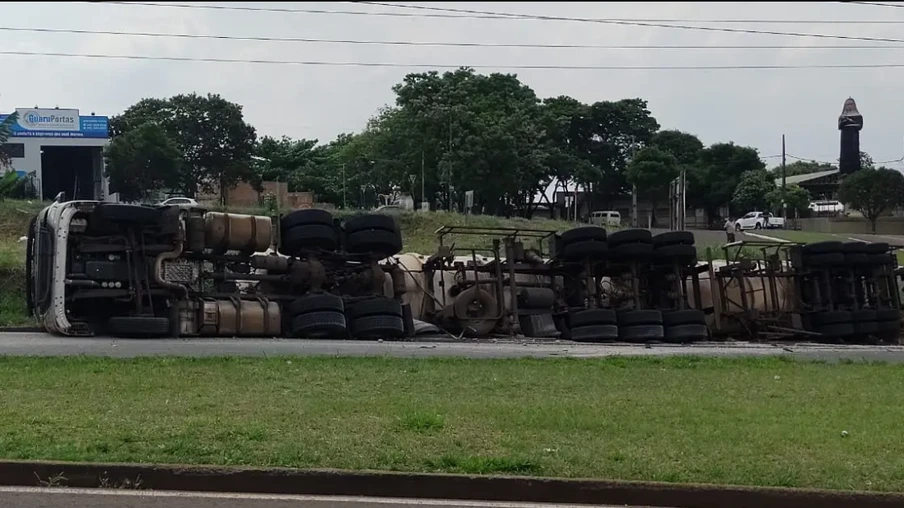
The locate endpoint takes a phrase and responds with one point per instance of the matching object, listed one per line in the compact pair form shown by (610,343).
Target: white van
(606,218)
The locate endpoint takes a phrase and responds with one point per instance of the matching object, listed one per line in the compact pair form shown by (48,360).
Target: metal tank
(231,231)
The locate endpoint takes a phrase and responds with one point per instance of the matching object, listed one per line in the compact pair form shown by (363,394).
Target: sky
(752,107)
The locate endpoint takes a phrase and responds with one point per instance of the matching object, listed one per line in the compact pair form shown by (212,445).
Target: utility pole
(423,192)
(784,177)
(344,195)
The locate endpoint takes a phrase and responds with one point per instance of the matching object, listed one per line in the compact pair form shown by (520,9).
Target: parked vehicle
(180,202)
(759,220)
(606,218)
(829,206)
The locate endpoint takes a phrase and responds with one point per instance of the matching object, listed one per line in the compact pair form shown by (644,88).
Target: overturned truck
(137,271)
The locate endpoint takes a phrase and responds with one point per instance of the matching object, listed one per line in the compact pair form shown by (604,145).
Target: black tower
(849,123)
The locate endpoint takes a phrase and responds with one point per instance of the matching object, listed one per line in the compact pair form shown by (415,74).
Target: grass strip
(770,422)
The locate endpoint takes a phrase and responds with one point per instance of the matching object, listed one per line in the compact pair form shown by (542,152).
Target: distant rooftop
(798,179)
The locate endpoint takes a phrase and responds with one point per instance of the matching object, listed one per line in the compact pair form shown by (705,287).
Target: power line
(634,23)
(447,66)
(498,16)
(880,4)
(424,43)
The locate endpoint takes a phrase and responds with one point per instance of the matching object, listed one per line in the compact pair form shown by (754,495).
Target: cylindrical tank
(240,318)
(231,231)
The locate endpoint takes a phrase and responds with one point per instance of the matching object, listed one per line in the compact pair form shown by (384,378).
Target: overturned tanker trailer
(139,271)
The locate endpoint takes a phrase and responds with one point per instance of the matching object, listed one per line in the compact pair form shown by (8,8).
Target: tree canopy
(210,133)
(445,134)
(5,131)
(872,192)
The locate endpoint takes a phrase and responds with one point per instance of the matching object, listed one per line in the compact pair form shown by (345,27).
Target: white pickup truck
(759,220)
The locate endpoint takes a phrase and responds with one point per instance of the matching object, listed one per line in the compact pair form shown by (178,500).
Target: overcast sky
(749,107)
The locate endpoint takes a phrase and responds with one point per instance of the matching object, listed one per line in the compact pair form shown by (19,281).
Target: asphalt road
(38,344)
(31,497)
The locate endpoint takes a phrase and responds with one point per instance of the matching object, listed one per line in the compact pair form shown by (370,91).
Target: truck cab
(758,220)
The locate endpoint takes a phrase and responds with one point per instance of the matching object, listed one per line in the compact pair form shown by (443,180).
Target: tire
(837,330)
(832,318)
(307,217)
(823,248)
(378,327)
(139,327)
(595,333)
(888,326)
(673,238)
(865,328)
(888,315)
(856,259)
(379,242)
(593,317)
(686,254)
(832,259)
(876,248)
(582,250)
(475,325)
(855,248)
(632,252)
(628,236)
(641,333)
(129,214)
(757,226)
(640,317)
(582,234)
(319,325)
(373,307)
(308,237)
(315,303)
(370,222)
(858,316)
(686,333)
(683,317)
(880,259)
(737,227)
(536,298)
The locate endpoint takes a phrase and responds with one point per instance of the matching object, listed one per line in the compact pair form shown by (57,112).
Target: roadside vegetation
(772,422)
(14,218)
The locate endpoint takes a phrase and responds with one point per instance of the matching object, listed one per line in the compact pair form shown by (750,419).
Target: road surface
(31,497)
(39,344)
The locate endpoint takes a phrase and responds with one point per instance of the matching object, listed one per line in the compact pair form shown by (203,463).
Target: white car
(180,202)
(759,220)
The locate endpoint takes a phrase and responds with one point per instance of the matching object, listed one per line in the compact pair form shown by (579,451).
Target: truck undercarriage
(136,271)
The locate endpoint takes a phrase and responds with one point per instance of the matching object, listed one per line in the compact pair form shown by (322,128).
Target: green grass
(14,218)
(739,421)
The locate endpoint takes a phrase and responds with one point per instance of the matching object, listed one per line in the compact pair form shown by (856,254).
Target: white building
(61,151)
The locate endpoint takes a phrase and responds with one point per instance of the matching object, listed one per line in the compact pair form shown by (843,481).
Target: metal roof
(798,179)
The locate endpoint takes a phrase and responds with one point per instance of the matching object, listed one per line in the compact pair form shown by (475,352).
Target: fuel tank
(237,318)
(232,231)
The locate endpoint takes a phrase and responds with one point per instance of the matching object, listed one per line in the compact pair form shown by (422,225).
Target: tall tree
(651,170)
(683,146)
(215,142)
(712,181)
(872,192)
(141,161)
(796,198)
(753,190)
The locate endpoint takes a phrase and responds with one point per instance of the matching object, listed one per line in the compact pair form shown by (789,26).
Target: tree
(752,190)
(142,160)
(713,179)
(651,170)
(795,197)
(5,131)
(866,162)
(210,132)
(683,146)
(872,192)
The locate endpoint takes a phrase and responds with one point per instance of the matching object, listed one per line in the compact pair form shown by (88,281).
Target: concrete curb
(427,486)
(20,329)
